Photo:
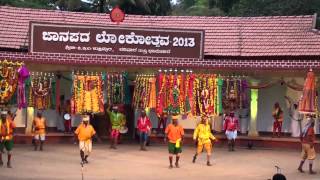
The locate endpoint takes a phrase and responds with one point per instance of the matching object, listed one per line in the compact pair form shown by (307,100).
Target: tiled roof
(225,36)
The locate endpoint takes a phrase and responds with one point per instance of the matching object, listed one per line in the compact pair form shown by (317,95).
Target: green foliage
(183,7)
(198,8)
(69,5)
(39,4)
(145,7)
(275,7)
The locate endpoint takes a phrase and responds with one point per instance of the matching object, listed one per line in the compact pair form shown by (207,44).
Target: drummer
(67,116)
(117,121)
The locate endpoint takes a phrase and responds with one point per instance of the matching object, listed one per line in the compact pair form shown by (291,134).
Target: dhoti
(86,146)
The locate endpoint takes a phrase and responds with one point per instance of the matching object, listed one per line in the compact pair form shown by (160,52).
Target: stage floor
(61,161)
(263,141)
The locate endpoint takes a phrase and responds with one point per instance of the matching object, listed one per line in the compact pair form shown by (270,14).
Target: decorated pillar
(254,94)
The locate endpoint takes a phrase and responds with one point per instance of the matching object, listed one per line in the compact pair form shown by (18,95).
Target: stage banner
(116,40)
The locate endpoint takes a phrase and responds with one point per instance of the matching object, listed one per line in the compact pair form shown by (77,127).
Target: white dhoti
(86,146)
(231,134)
(296,125)
(41,137)
(295,128)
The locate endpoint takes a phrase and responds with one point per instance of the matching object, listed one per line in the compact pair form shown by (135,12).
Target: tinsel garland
(127,98)
(220,83)
(53,94)
(21,94)
(115,88)
(216,109)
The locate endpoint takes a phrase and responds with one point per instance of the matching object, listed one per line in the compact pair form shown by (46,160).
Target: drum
(67,116)
(123,130)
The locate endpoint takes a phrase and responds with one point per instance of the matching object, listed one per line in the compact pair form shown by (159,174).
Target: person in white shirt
(295,117)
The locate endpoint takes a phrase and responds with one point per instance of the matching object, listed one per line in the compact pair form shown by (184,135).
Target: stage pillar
(254,94)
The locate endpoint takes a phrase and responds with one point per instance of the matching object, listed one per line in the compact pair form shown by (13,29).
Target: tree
(69,5)
(198,8)
(275,7)
(145,7)
(39,4)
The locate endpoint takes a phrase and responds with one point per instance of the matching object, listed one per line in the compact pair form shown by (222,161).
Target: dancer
(278,119)
(231,127)
(202,134)
(84,133)
(296,118)
(6,137)
(39,129)
(174,133)
(144,127)
(307,142)
(117,120)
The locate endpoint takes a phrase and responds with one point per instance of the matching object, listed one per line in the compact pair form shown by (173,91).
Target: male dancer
(84,133)
(174,133)
(144,127)
(202,134)
(39,128)
(7,127)
(307,141)
(117,120)
(231,127)
(278,119)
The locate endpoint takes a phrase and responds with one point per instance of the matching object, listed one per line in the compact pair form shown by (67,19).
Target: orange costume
(308,99)
(40,126)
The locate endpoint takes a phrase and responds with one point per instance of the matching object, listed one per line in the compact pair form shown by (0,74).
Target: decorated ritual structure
(82,63)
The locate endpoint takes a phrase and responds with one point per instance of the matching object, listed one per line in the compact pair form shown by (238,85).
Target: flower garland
(153,96)
(145,92)
(8,79)
(87,94)
(187,107)
(40,92)
(160,97)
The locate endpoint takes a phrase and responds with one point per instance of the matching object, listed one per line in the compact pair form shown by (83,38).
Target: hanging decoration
(231,94)
(127,97)
(205,94)
(218,94)
(40,90)
(115,88)
(161,93)
(186,93)
(87,93)
(8,79)
(307,103)
(145,91)
(21,94)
